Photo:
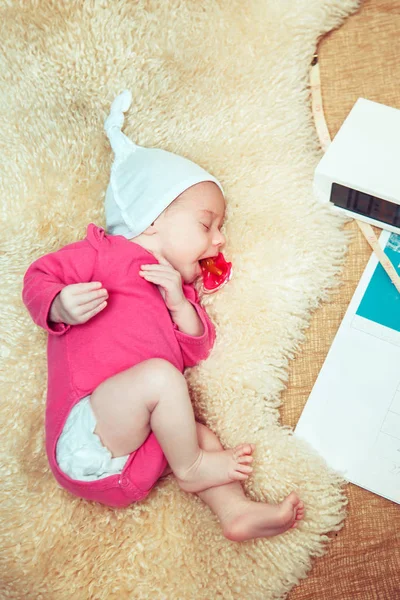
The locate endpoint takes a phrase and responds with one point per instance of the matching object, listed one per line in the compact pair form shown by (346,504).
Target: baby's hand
(168,281)
(77,303)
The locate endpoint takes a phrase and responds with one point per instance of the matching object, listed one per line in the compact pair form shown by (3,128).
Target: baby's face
(190,228)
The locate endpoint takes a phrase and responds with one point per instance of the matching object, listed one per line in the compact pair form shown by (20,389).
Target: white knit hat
(143,181)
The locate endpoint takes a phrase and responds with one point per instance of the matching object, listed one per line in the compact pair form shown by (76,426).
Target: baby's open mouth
(216,271)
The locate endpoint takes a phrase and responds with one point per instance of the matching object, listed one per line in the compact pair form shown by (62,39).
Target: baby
(124,321)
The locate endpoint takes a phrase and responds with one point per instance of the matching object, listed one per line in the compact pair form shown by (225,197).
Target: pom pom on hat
(143,181)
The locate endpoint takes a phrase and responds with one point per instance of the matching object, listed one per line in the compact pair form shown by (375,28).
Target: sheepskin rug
(224,83)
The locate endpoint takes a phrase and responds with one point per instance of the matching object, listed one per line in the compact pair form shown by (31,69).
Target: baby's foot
(258,519)
(217,468)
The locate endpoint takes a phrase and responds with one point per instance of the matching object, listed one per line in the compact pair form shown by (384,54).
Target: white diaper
(80,453)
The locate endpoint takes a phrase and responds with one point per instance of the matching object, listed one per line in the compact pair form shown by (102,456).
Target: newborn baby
(124,321)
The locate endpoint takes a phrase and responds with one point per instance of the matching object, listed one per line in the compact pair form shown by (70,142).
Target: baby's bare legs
(153,396)
(240,518)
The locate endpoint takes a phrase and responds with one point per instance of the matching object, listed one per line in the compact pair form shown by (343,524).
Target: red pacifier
(216,273)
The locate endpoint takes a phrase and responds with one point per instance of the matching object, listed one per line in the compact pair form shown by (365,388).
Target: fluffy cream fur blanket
(224,83)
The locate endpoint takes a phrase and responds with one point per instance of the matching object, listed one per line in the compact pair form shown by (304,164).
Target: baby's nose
(219,240)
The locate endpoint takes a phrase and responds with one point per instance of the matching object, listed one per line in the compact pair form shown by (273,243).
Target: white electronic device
(359,173)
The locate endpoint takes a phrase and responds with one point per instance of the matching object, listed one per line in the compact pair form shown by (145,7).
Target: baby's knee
(207,439)
(161,372)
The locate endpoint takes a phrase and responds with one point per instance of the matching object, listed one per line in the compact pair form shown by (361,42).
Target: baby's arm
(187,319)
(194,330)
(196,348)
(169,282)
(50,278)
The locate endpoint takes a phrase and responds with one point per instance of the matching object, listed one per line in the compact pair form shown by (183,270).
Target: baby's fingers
(93,311)
(165,279)
(88,286)
(87,298)
(89,306)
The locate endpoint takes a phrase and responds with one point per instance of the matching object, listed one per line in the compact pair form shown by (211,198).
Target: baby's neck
(144,242)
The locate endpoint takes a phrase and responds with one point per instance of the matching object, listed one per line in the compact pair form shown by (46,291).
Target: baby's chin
(192,273)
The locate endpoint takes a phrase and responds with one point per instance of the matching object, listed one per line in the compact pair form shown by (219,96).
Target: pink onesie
(135,326)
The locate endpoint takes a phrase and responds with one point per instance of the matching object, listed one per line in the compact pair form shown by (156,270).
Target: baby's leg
(240,518)
(153,396)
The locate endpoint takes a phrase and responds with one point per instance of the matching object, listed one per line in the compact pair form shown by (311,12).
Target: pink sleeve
(196,348)
(47,276)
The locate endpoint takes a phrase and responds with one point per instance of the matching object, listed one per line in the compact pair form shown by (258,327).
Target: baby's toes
(236,476)
(244,469)
(243,449)
(245,460)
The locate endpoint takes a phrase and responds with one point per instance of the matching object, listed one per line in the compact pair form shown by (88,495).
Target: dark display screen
(364,204)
